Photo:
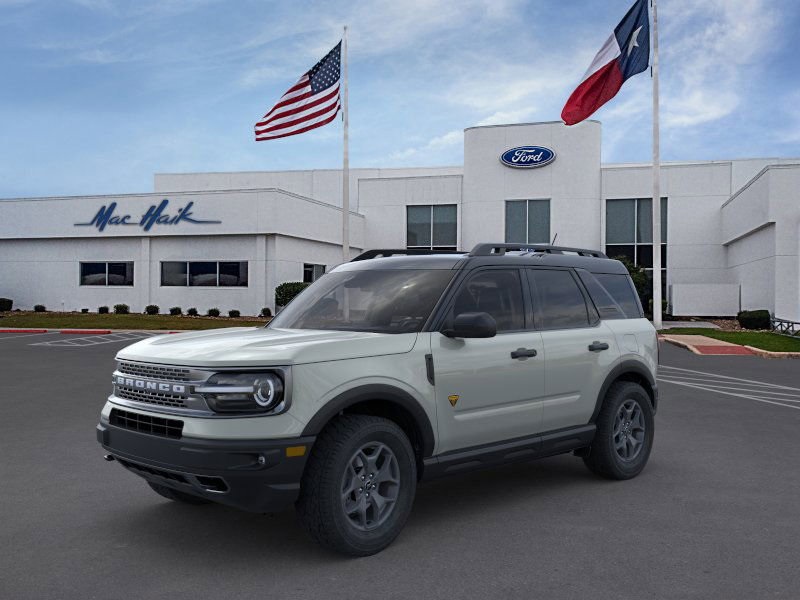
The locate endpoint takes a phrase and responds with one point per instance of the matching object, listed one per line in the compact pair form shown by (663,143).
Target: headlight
(243,392)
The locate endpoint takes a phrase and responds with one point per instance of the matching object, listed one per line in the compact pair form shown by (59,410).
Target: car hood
(257,346)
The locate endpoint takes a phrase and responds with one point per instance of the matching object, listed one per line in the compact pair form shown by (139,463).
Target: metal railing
(784,327)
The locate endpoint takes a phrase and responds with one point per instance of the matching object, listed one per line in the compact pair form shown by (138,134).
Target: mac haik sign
(157,215)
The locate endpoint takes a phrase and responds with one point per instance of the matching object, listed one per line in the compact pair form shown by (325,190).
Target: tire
(625,418)
(333,505)
(176,495)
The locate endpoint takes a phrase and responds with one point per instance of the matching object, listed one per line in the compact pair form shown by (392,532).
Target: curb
(86,331)
(23,330)
(771,354)
(683,345)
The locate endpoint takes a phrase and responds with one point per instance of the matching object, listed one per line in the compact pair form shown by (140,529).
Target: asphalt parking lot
(716,514)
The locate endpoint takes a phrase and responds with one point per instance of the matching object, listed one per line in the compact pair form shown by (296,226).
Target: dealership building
(730,228)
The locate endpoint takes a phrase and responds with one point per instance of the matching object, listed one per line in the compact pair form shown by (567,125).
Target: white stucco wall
(571,182)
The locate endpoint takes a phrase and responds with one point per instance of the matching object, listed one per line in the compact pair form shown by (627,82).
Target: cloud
(708,48)
(450,139)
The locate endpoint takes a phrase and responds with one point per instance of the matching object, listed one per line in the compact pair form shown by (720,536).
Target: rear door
(483,393)
(579,349)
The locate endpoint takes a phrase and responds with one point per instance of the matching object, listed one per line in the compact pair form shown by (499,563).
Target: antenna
(555,237)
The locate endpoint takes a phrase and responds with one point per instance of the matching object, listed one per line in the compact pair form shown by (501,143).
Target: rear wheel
(625,430)
(359,485)
(176,495)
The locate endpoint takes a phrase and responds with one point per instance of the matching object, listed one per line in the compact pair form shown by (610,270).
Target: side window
(496,292)
(606,305)
(621,289)
(559,301)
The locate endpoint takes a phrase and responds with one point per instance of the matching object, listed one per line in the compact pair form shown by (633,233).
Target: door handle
(597,346)
(523,353)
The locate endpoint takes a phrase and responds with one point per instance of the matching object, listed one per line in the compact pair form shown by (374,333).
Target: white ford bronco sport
(388,370)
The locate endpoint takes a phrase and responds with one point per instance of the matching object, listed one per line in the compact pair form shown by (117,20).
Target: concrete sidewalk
(700,344)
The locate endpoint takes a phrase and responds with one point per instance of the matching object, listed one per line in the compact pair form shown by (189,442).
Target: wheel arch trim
(618,372)
(375,392)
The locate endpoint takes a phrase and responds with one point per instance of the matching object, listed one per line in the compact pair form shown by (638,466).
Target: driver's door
(484,395)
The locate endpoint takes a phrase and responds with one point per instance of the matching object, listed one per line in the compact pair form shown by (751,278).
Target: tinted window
(203,273)
(391,301)
(606,305)
(622,291)
(173,273)
(233,274)
(560,303)
(120,273)
(93,273)
(497,292)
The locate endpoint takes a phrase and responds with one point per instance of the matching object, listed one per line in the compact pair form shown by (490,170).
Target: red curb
(86,331)
(741,350)
(23,330)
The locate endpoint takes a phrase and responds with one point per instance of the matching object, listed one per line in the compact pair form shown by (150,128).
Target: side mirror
(472,325)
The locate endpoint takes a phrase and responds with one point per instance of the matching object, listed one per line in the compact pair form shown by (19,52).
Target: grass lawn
(764,340)
(57,320)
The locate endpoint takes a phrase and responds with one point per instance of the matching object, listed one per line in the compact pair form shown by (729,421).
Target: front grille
(151,397)
(169,428)
(155,371)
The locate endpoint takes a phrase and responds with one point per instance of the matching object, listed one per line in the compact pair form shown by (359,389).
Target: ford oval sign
(527,157)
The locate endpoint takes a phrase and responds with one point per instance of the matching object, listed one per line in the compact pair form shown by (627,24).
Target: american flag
(310,103)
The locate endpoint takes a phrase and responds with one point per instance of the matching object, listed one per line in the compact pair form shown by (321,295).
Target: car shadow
(239,538)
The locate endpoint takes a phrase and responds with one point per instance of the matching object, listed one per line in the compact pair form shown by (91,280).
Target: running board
(500,453)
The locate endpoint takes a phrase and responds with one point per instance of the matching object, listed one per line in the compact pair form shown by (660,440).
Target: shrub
(121,309)
(6,304)
(192,312)
(102,310)
(285,292)
(266,312)
(175,310)
(39,308)
(213,312)
(234,314)
(754,319)
(152,309)
(84,310)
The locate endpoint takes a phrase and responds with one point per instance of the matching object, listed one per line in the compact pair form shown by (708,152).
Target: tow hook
(108,457)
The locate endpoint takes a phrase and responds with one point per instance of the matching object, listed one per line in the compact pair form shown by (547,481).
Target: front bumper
(252,475)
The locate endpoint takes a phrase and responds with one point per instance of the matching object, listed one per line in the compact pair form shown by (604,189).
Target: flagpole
(345,159)
(656,204)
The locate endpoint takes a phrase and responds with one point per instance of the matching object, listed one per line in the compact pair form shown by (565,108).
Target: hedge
(121,309)
(286,292)
(6,304)
(754,319)
(175,311)
(152,309)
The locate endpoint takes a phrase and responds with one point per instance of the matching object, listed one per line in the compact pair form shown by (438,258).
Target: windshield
(392,301)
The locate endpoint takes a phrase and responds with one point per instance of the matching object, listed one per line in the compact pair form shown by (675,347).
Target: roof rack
(384,252)
(488,249)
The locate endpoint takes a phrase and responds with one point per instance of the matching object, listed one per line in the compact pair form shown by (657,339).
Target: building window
(107,273)
(528,221)
(204,273)
(432,226)
(629,232)
(312,272)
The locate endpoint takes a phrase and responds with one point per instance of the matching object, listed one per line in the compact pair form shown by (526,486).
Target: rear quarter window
(620,288)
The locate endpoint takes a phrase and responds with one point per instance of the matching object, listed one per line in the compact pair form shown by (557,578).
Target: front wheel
(359,485)
(625,430)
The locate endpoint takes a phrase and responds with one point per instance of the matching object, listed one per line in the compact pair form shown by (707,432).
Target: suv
(389,370)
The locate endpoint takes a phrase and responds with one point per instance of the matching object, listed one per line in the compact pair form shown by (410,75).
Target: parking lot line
(23,334)
(671,372)
(95,340)
(749,389)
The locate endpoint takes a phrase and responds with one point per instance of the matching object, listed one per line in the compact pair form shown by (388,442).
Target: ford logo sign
(527,157)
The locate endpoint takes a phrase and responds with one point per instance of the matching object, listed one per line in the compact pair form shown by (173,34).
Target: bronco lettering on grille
(143,384)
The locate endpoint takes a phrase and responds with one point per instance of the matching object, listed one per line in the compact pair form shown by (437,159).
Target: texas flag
(625,53)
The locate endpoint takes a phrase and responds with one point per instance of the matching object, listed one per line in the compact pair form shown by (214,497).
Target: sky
(98,95)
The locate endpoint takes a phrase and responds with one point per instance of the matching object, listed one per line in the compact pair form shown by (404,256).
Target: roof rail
(487,249)
(384,252)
